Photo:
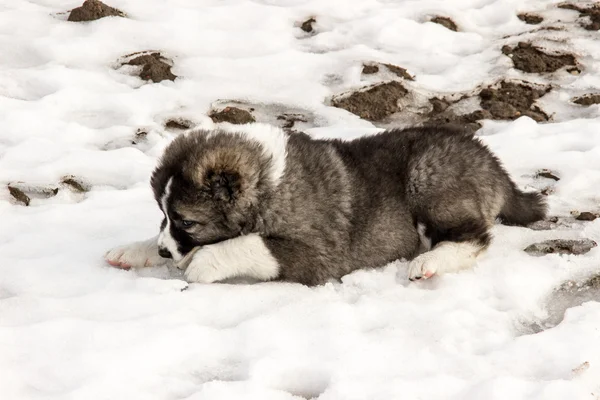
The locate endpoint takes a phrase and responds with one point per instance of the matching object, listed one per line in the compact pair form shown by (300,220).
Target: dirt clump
(529,58)
(588,99)
(307,26)
(178,124)
(289,120)
(586,216)
(561,246)
(512,100)
(75,184)
(445,22)
(154,67)
(374,103)
(531,19)
(19,195)
(233,115)
(592,13)
(92,10)
(370,69)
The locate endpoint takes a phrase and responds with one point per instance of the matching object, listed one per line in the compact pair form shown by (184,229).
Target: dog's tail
(523,208)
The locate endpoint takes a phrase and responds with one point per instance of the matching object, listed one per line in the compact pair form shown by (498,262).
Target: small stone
(92,10)
(531,19)
(369,69)
(546,173)
(232,115)
(74,184)
(586,216)
(561,246)
(154,67)
(307,26)
(445,22)
(178,124)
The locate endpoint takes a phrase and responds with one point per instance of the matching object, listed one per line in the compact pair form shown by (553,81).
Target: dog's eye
(186,223)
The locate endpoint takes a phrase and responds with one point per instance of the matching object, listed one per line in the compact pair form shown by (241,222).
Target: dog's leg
(454,249)
(246,256)
(136,255)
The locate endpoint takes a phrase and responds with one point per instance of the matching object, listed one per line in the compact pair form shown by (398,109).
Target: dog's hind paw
(135,255)
(423,267)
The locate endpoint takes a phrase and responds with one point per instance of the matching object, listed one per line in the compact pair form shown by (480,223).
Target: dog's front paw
(202,267)
(423,267)
(135,255)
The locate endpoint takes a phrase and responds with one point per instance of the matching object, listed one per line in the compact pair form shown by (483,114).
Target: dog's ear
(225,186)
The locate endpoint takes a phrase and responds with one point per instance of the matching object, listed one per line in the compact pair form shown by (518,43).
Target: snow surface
(73,328)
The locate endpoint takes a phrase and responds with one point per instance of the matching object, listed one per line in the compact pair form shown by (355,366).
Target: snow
(73,328)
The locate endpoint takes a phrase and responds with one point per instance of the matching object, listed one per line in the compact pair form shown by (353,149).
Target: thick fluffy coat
(255,201)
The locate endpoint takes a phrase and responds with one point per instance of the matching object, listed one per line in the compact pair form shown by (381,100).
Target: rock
(19,195)
(373,103)
(592,13)
(92,10)
(74,184)
(546,173)
(178,124)
(529,58)
(588,99)
(586,216)
(369,69)
(513,99)
(445,22)
(561,246)
(232,115)
(154,67)
(307,26)
(531,19)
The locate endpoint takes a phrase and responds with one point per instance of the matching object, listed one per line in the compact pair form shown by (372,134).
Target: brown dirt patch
(588,99)
(154,67)
(369,69)
(592,22)
(531,19)
(548,174)
(92,10)
(233,115)
(445,22)
(512,100)
(307,26)
(19,195)
(561,246)
(75,184)
(529,58)
(373,103)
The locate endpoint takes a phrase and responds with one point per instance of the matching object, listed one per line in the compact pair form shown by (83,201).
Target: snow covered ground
(73,328)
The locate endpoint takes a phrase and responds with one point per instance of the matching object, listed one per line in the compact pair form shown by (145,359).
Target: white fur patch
(245,256)
(272,139)
(136,255)
(165,240)
(444,257)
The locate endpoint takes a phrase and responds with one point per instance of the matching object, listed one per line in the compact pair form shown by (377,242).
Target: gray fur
(340,206)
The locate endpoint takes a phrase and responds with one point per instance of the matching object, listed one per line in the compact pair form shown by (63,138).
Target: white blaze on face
(165,239)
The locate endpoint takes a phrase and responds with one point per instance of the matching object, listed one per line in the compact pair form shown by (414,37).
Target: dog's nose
(164,253)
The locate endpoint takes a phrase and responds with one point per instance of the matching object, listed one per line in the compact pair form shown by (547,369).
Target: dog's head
(210,187)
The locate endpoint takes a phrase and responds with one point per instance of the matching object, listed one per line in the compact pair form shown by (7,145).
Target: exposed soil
(24,193)
(531,19)
(307,26)
(289,120)
(529,58)
(92,10)
(587,99)
(561,246)
(154,67)
(369,69)
(513,99)
(178,124)
(592,22)
(546,173)
(373,103)
(232,115)
(445,22)
(586,216)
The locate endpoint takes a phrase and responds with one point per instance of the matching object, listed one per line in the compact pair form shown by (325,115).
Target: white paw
(135,255)
(424,266)
(203,268)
